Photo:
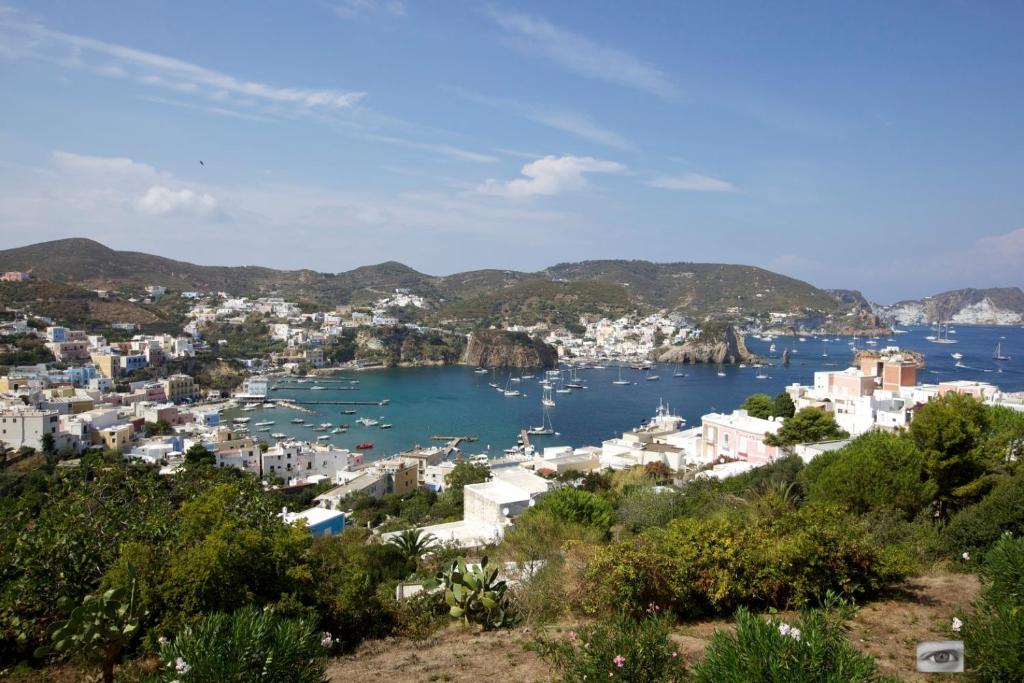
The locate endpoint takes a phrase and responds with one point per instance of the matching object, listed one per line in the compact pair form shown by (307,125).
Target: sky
(872,145)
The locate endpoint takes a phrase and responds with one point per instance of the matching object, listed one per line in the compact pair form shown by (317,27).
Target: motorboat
(386,425)
(364,446)
(296,420)
(279,435)
(265,423)
(241,420)
(957,355)
(348,412)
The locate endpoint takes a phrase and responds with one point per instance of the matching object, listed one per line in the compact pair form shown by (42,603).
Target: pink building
(737,436)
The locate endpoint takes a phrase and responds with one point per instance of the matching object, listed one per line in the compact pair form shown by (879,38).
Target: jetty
(453,441)
(382,402)
(305,388)
(524,436)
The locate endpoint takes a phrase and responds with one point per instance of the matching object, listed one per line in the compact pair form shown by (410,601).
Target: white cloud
(1006,249)
(693,182)
(70,161)
(350,9)
(537,37)
(118,61)
(160,200)
(550,175)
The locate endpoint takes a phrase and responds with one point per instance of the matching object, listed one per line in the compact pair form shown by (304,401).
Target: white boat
(771,349)
(338,430)
(802,339)
(325,437)
(241,420)
(652,378)
(367,422)
(263,429)
(325,425)
(511,393)
(546,399)
(385,425)
(279,435)
(957,355)
(249,408)
(265,423)
(760,375)
(545,428)
(317,388)
(721,374)
(296,420)
(268,405)
(998,355)
(481,371)
(939,339)
(620,380)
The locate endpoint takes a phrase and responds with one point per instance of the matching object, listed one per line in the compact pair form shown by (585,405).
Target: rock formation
(502,349)
(716,344)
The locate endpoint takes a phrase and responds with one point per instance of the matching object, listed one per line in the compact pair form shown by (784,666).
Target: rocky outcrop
(996,306)
(896,354)
(716,344)
(405,347)
(502,349)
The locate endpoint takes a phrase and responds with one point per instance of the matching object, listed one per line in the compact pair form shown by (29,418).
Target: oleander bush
(763,556)
(251,645)
(623,648)
(813,649)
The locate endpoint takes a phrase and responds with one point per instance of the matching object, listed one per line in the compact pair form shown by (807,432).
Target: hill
(994,306)
(559,294)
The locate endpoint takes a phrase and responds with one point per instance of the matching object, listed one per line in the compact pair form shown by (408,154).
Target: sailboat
(620,380)
(941,339)
(546,400)
(545,428)
(574,381)
(678,372)
(824,350)
(998,355)
(651,378)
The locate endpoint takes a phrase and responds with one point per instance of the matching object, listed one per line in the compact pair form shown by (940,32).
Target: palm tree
(413,543)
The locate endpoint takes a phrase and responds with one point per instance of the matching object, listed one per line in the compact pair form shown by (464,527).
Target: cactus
(474,594)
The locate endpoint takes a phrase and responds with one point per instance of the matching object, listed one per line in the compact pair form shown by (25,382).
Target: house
(737,436)
(26,427)
(179,387)
(320,521)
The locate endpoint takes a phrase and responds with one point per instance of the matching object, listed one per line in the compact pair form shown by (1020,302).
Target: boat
(998,355)
(802,339)
(511,393)
(620,380)
(939,339)
(317,388)
(761,375)
(386,425)
(771,349)
(279,435)
(265,423)
(367,422)
(652,378)
(546,399)
(957,355)
(296,420)
(325,425)
(524,377)
(263,429)
(364,446)
(481,371)
(250,407)
(959,364)
(384,402)
(325,437)
(720,373)
(338,430)
(545,428)
(241,420)
(348,412)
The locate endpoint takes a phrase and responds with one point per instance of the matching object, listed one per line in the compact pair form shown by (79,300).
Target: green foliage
(622,648)
(576,506)
(765,554)
(974,529)
(812,650)
(994,634)
(784,406)
(23,349)
(759,405)
(413,543)
(251,645)
(158,428)
(463,474)
(198,454)
(876,470)
(810,425)
(474,594)
(99,629)
(643,507)
(948,431)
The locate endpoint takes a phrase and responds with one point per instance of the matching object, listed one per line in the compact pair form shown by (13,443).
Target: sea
(456,401)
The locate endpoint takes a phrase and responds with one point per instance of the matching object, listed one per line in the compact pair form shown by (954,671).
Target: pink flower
(619,661)
(572,636)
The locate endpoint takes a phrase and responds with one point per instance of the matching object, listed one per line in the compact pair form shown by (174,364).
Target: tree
(784,406)
(949,431)
(810,425)
(759,405)
(199,454)
(462,475)
(413,543)
(47,443)
(158,428)
(877,470)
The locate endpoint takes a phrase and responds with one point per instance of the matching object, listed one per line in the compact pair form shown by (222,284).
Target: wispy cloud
(559,119)
(26,38)
(537,37)
(437,148)
(549,176)
(159,201)
(351,9)
(693,182)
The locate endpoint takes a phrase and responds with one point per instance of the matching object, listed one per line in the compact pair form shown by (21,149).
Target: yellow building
(179,387)
(116,438)
(106,364)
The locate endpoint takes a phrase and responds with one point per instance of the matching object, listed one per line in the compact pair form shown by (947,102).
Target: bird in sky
(201,163)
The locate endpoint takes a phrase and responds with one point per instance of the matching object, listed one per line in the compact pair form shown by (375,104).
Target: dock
(382,402)
(525,438)
(453,441)
(305,388)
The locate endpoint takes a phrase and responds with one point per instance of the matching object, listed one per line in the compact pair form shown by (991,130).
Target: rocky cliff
(402,346)
(716,344)
(501,349)
(996,306)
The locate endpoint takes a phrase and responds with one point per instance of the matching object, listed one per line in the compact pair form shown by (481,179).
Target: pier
(453,441)
(525,438)
(305,388)
(382,402)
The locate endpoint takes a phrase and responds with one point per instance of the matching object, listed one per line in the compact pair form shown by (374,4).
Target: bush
(994,635)
(249,646)
(810,425)
(644,507)
(876,470)
(577,506)
(624,648)
(976,528)
(756,557)
(812,650)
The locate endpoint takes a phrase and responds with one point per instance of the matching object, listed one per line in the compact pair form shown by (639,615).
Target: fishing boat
(364,446)
(620,380)
(998,355)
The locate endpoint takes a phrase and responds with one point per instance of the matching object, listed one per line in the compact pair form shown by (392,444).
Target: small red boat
(365,446)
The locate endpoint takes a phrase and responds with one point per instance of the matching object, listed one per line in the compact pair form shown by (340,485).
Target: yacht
(279,435)
(939,339)
(241,420)
(546,400)
(620,380)
(367,422)
(761,375)
(652,378)
(545,428)
(296,420)
(998,355)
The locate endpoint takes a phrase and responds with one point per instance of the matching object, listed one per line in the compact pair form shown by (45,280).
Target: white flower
(791,631)
(181,666)
(327,640)
(957,624)
(966,556)
(794,633)
(784,629)
(162,641)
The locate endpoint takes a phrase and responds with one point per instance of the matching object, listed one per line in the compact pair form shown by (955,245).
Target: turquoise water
(456,401)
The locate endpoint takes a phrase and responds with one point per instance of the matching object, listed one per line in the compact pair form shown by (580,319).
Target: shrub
(994,635)
(624,648)
(249,646)
(812,650)
(810,425)
(876,470)
(577,506)
(770,557)
(644,507)
(976,528)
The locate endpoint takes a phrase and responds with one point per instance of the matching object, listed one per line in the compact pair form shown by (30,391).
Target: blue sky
(874,146)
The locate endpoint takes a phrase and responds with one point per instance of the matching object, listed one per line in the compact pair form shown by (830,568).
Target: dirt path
(887,629)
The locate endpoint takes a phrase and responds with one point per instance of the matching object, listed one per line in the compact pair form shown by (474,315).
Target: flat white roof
(313,516)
